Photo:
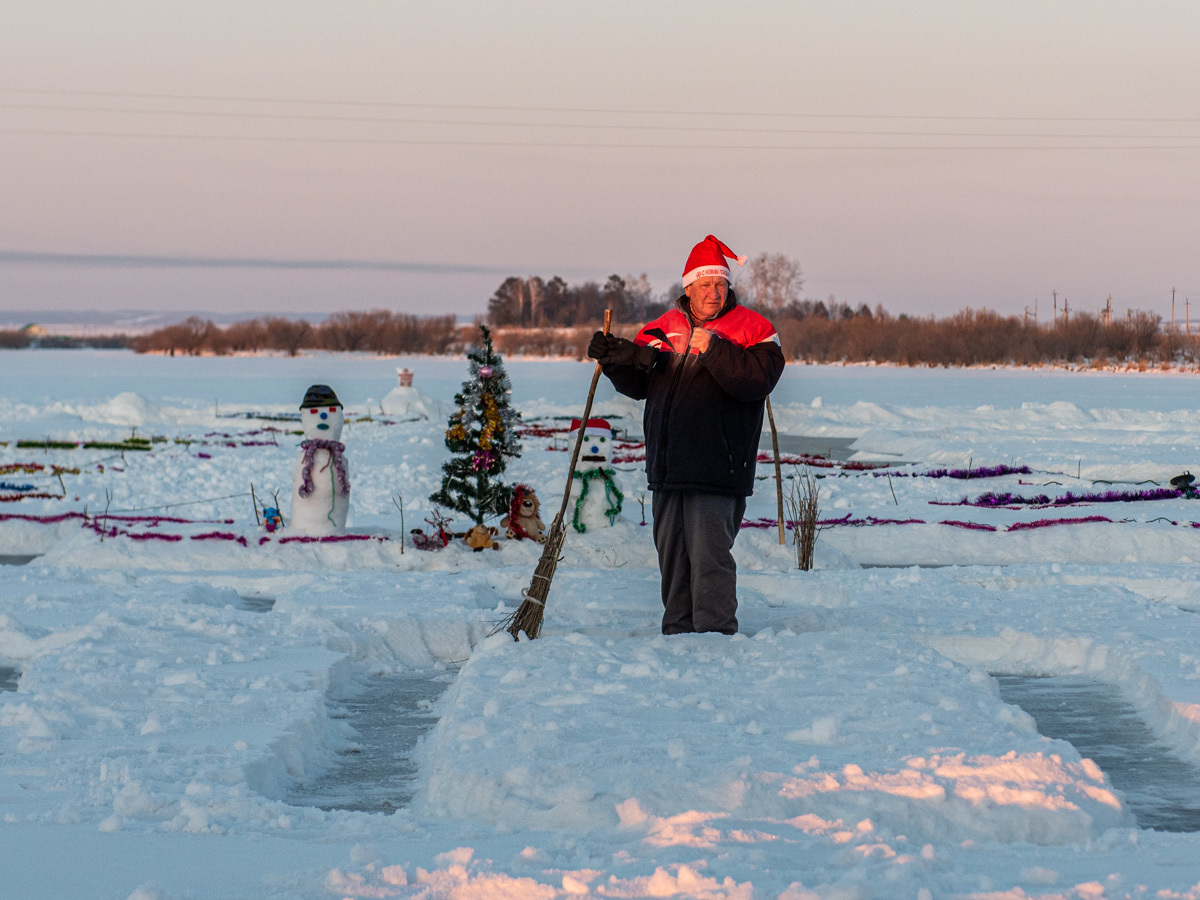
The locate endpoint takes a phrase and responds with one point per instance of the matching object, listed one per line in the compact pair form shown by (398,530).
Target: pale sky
(308,156)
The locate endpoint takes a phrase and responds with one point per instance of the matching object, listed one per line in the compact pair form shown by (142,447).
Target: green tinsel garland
(612,494)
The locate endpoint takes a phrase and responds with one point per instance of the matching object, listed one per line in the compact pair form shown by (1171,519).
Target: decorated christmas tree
(482,436)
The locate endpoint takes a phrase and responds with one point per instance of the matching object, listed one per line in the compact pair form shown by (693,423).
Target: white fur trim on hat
(705,272)
(594,427)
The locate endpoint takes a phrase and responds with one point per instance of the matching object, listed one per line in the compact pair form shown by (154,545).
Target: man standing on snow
(705,370)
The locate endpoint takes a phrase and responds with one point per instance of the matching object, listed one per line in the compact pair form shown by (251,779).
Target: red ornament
(485,371)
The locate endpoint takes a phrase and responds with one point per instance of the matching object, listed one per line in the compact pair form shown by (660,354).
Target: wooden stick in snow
(778,474)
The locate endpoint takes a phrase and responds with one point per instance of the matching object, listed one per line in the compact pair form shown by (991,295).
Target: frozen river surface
(194,709)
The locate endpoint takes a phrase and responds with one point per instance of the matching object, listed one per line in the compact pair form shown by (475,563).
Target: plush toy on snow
(598,496)
(320,481)
(480,538)
(524,516)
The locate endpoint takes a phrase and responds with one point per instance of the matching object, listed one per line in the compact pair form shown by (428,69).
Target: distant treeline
(551,318)
(379,331)
(530,316)
(967,338)
(982,337)
(18,339)
(536,303)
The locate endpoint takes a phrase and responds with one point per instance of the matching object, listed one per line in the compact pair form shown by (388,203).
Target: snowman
(594,486)
(320,482)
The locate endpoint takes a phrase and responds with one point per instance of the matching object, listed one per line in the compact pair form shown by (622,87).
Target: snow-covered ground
(850,743)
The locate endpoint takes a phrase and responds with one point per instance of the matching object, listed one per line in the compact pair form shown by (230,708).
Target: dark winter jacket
(704,411)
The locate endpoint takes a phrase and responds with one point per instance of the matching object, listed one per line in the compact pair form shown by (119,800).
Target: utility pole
(1066,312)
(1055,293)
(1187,317)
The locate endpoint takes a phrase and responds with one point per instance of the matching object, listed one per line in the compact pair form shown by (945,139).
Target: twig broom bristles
(528,617)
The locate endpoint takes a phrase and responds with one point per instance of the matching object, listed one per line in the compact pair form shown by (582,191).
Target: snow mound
(127,408)
(411,402)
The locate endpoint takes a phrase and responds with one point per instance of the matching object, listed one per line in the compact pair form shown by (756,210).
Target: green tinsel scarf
(612,495)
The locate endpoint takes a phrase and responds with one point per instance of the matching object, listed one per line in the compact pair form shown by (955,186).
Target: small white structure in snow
(406,400)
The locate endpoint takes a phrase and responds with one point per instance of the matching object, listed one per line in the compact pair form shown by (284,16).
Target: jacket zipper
(670,402)
(687,352)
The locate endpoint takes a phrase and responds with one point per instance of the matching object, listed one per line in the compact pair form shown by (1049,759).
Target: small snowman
(595,488)
(320,481)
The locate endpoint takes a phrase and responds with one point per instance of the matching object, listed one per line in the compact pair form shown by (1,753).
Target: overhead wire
(588,110)
(587,145)
(604,126)
(895,139)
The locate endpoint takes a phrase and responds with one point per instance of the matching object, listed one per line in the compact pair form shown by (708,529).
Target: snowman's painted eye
(333,409)
(602,440)
(313,410)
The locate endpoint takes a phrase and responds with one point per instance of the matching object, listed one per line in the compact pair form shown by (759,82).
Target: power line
(599,126)
(579,109)
(569,145)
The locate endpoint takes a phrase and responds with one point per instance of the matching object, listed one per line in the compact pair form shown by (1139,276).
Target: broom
(528,617)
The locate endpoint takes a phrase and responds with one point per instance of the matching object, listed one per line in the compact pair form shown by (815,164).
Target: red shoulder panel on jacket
(740,326)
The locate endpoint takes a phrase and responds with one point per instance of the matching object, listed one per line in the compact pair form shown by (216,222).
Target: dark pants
(694,536)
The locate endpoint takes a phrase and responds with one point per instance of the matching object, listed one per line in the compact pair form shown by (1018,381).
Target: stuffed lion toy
(524,519)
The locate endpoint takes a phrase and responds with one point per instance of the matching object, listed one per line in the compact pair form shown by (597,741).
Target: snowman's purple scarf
(336,449)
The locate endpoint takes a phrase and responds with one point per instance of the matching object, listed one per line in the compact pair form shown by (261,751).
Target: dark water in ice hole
(9,678)
(375,773)
(1161,790)
(258,604)
(17,559)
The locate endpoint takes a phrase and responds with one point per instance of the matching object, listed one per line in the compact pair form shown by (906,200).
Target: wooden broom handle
(778,474)
(587,412)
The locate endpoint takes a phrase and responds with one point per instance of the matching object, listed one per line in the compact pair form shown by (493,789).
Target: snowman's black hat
(320,395)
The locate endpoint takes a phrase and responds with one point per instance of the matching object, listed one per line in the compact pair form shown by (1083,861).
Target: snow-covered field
(850,743)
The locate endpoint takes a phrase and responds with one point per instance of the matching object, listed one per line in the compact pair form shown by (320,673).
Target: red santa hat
(707,259)
(594,426)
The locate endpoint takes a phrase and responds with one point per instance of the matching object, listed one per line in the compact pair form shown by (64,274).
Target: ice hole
(830,448)
(256,604)
(9,678)
(375,772)
(906,565)
(17,559)
(1161,790)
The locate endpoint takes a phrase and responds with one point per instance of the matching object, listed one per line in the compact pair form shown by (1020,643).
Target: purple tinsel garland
(336,449)
(99,524)
(483,460)
(1046,523)
(220,536)
(974,526)
(981,472)
(327,539)
(992,500)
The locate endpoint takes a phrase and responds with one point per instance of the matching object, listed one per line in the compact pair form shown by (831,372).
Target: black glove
(610,350)
(598,346)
